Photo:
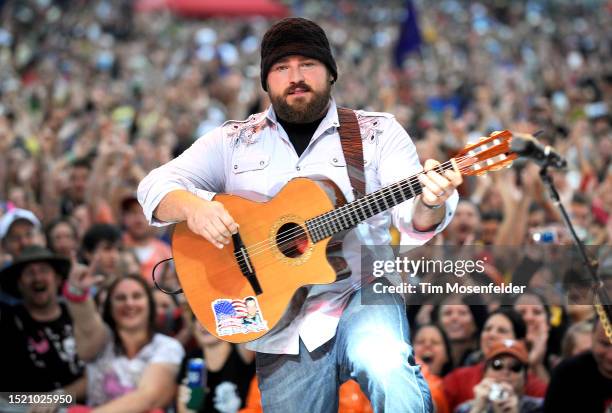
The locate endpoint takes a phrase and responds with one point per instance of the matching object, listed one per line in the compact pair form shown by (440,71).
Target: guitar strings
(257,248)
(290,235)
(265,264)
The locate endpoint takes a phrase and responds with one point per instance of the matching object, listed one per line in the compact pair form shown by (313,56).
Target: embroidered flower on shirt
(369,127)
(245,132)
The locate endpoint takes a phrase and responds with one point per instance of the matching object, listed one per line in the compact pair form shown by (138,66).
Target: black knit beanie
(295,36)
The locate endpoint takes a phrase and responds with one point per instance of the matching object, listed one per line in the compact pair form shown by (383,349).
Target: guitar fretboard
(351,214)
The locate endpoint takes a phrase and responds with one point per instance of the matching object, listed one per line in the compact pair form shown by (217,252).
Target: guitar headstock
(488,154)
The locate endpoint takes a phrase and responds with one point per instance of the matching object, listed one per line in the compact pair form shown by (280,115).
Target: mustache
(291,89)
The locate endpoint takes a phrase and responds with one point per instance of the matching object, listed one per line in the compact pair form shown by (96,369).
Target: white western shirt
(256,155)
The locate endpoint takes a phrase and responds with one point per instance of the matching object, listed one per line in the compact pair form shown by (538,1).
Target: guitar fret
(416,188)
(313,230)
(349,217)
(341,218)
(377,199)
(400,192)
(331,223)
(363,215)
(319,230)
(322,227)
(407,186)
(392,193)
(384,198)
(369,205)
(353,216)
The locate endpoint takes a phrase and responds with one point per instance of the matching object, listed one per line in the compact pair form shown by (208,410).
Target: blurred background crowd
(95,94)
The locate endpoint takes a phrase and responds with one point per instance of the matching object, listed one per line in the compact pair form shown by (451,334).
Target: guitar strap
(352,147)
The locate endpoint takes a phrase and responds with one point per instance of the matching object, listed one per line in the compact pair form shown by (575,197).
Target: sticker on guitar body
(236,316)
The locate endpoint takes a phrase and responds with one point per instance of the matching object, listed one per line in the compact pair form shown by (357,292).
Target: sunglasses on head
(515,366)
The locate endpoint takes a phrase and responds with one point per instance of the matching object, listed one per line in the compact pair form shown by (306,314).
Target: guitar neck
(350,215)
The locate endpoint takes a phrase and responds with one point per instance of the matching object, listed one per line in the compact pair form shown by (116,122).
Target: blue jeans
(371,346)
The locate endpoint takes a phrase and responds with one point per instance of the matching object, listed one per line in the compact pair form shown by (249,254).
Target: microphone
(530,147)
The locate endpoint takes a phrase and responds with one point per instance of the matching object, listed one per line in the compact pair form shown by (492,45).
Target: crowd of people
(95,95)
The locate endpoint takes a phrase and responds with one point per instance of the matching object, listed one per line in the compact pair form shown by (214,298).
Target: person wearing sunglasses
(503,386)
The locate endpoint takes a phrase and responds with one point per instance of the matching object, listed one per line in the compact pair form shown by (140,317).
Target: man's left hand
(437,188)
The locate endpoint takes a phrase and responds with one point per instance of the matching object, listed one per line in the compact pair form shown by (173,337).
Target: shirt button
(235,166)
(261,163)
(335,160)
(297,168)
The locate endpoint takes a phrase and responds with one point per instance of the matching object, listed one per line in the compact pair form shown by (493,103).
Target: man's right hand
(211,220)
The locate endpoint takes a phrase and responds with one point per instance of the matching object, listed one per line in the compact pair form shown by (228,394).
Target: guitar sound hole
(291,240)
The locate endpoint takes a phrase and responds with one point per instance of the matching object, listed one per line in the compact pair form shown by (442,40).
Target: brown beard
(301,112)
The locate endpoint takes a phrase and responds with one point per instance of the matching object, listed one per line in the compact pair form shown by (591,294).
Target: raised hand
(82,277)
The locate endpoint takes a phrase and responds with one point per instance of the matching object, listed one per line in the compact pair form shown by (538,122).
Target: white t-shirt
(110,376)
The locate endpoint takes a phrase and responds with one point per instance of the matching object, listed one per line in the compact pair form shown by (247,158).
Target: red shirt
(459,384)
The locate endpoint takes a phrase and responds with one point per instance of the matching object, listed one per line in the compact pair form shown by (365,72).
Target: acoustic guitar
(240,292)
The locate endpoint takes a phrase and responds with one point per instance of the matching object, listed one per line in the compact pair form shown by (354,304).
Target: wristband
(431,206)
(75,294)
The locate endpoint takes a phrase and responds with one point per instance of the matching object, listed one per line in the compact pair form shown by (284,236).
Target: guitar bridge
(244,262)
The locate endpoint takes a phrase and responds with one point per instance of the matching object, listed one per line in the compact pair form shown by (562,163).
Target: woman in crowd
(461,321)
(62,237)
(503,386)
(432,348)
(130,367)
(536,314)
(578,339)
(173,318)
(502,324)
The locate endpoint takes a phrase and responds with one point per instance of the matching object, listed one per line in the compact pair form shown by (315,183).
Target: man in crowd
(141,237)
(19,228)
(38,350)
(583,383)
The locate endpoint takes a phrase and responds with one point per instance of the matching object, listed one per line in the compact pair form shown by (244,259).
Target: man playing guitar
(327,335)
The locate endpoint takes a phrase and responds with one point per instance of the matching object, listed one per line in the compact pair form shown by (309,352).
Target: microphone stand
(602,294)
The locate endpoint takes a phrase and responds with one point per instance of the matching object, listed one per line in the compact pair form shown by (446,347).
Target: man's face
(251,308)
(38,284)
(489,231)
(581,214)
(78,183)
(602,351)
(299,88)
(135,222)
(21,234)
(466,221)
(107,257)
